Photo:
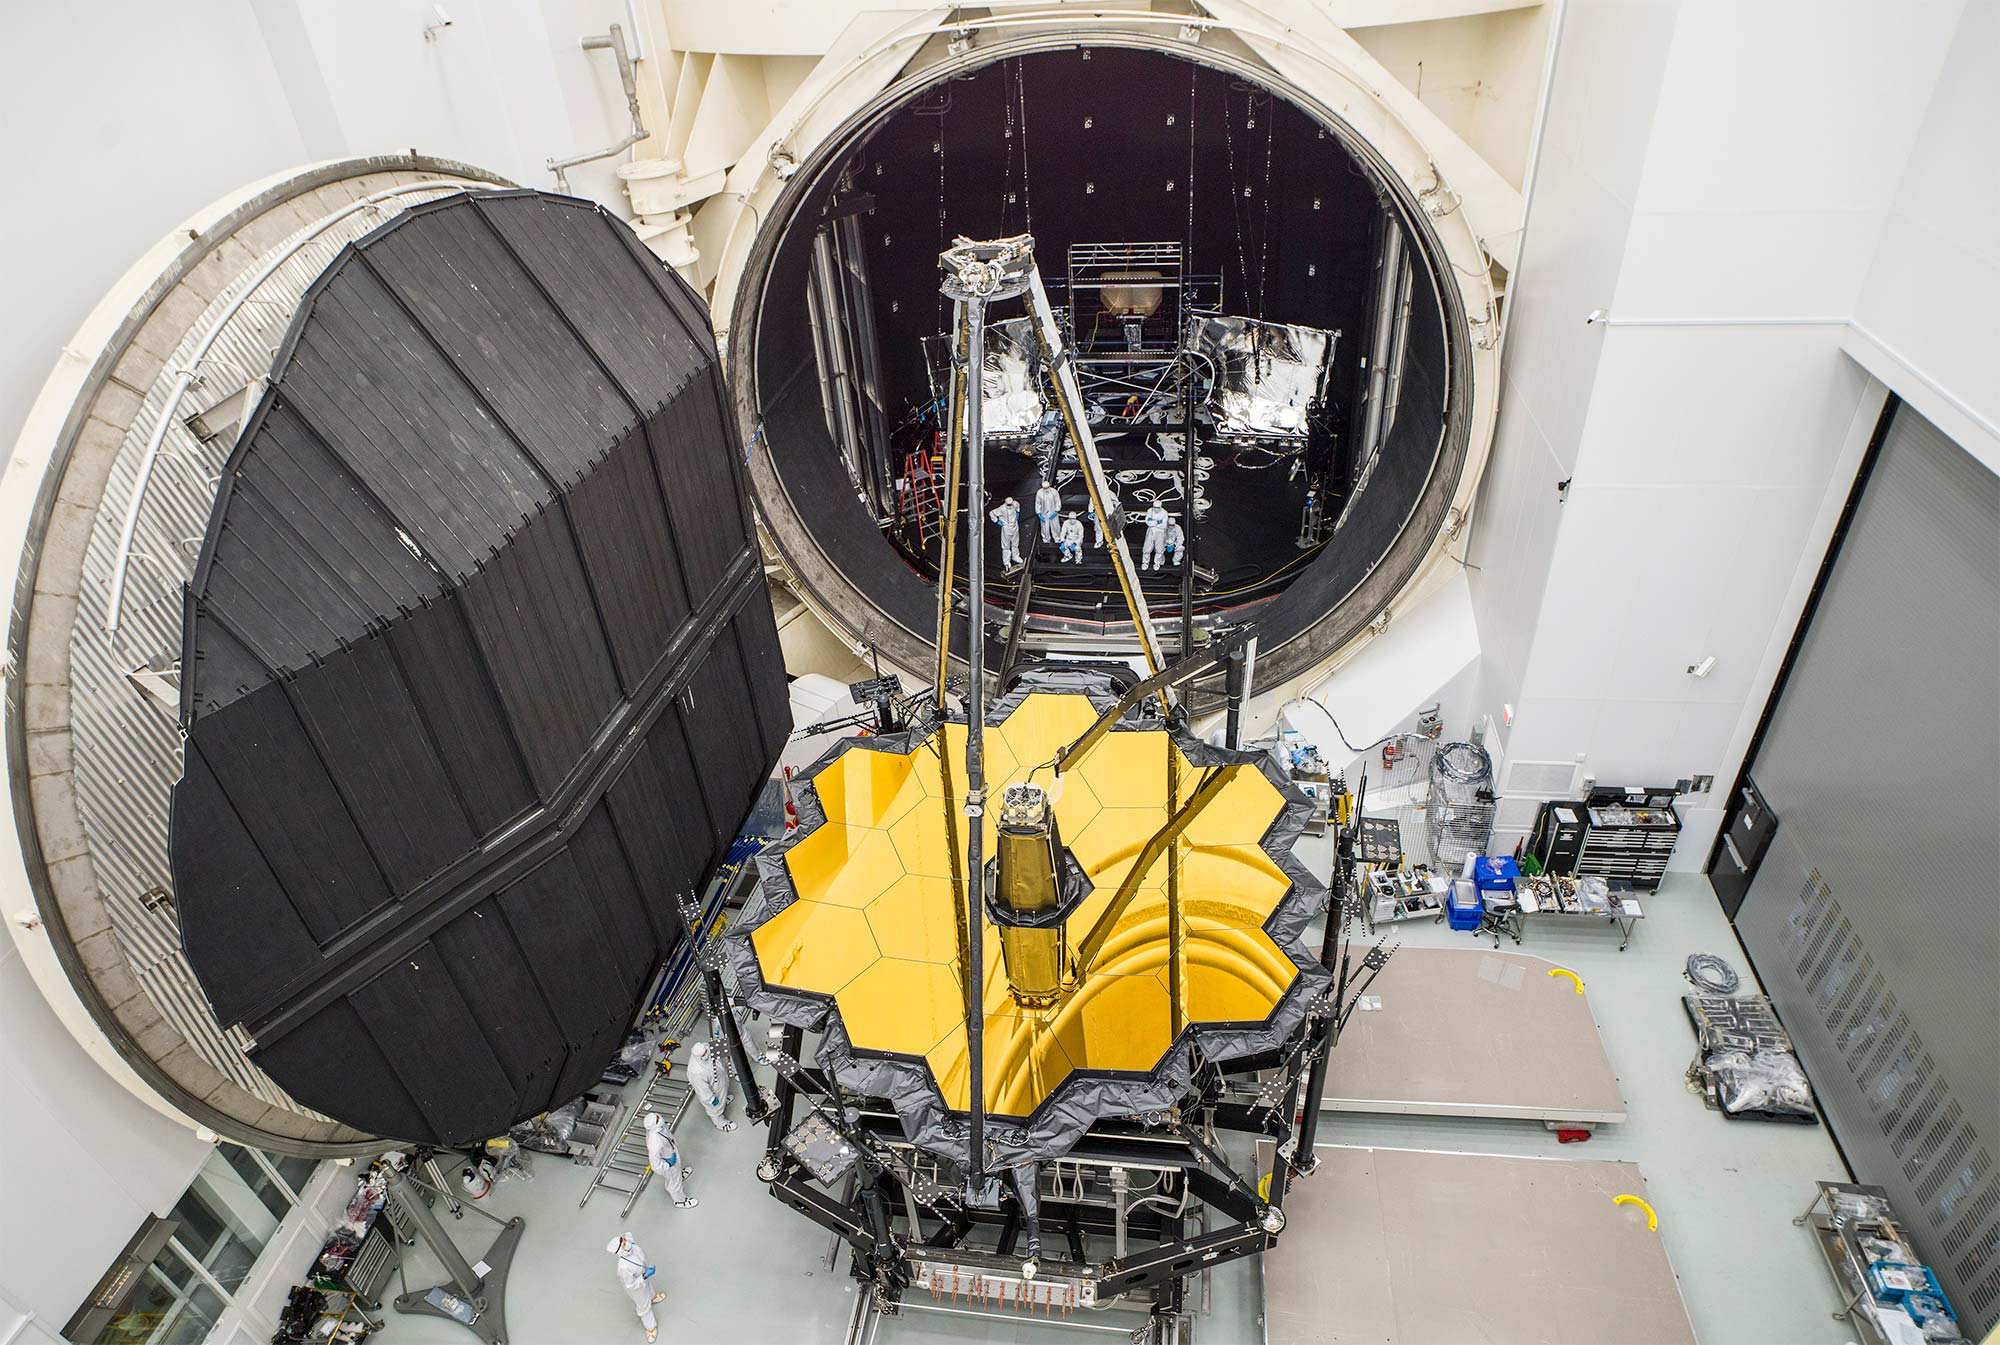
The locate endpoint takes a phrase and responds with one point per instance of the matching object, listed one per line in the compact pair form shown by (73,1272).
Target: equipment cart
(1890,1296)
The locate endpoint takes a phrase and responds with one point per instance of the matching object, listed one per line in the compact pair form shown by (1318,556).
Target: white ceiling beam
(1376,13)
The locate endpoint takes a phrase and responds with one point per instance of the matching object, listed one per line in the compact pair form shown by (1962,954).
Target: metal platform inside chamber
(1473,1032)
(1395,1245)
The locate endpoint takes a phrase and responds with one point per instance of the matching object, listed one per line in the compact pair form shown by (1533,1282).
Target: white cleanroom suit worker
(665,1157)
(1008,515)
(1155,549)
(635,1273)
(710,1084)
(1070,537)
(1175,539)
(1048,506)
(1096,526)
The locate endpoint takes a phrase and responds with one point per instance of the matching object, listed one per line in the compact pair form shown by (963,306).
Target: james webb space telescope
(1149,342)
(980,1059)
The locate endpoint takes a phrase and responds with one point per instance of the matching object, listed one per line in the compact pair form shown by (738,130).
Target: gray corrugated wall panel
(1875,920)
(128,749)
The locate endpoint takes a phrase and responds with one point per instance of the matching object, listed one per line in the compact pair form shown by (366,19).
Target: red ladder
(920,505)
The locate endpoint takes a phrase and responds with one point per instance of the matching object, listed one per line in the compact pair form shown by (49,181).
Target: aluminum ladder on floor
(625,1160)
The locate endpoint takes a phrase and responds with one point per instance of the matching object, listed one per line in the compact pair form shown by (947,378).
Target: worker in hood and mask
(1008,515)
(665,1157)
(1155,549)
(710,1084)
(1070,536)
(635,1273)
(1048,508)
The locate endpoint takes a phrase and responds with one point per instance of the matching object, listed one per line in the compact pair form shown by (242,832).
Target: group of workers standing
(709,1078)
(1164,536)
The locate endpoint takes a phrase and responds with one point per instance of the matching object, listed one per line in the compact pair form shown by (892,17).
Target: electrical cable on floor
(1706,971)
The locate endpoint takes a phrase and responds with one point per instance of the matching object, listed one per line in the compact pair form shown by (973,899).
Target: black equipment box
(1558,836)
(1621,835)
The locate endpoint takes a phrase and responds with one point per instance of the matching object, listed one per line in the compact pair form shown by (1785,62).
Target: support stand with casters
(484,1294)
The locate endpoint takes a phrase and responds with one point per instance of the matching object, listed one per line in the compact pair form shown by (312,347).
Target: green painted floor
(740,1268)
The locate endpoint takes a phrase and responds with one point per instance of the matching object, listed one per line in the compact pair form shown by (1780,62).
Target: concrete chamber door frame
(1409,501)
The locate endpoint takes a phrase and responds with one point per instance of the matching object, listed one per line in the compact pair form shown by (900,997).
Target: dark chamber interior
(480,675)
(1276,220)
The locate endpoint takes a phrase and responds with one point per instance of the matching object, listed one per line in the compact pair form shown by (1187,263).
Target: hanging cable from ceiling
(1187,237)
(1264,252)
(1236,191)
(1243,204)
(1009,193)
(1021,106)
(1256,285)
(942,240)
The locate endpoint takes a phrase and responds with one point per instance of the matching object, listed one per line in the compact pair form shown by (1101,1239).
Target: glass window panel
(200,1308)
(170,1306)
(145,1312)
(201,1226)
(296,1171)
(223,1221)
(252,1172)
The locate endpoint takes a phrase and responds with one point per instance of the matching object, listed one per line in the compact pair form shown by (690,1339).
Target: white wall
(143,113)
(19,1325)
(1933,287)
(1428,655)
(133,132)
(1603,92)
(505,87)
(1481,74)
(1729,220)
(82,1161)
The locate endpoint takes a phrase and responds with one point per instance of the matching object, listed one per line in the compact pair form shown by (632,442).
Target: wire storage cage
(1461,807)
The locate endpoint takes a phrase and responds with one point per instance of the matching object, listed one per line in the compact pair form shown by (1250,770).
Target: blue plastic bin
(1464,908)
(1495,873)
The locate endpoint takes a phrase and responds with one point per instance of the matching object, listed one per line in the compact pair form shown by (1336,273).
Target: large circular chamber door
(399,655)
